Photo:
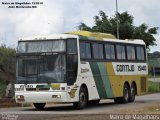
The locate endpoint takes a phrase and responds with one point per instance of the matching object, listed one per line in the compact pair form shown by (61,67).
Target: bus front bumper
(40,97)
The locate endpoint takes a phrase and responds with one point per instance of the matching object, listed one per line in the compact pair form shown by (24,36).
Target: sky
(59,16)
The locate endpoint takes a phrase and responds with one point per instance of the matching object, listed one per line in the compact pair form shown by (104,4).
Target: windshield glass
(41,46)
(41,69)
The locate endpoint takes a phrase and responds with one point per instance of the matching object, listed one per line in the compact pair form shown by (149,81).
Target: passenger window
(109,51)
(71,46)
(130,52)
(120,49)
(85,50)
(140,53)
(97,51)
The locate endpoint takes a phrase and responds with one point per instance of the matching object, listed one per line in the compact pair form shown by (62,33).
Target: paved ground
(67,112)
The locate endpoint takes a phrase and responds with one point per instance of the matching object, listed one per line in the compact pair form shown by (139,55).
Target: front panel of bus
(45,69)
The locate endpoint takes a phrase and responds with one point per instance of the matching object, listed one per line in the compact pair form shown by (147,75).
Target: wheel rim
(126,94)
(82,98)
(133,92)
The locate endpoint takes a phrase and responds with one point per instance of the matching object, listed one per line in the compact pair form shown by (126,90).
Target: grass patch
(153,87)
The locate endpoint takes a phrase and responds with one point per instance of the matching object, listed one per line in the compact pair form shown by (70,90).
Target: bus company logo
(72,93)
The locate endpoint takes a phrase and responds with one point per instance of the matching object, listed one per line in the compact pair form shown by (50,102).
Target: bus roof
(84,35)
(51,36)
(95,35)
(130,41)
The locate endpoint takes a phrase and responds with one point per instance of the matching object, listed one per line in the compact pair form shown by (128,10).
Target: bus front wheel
(39,106)
(83,99)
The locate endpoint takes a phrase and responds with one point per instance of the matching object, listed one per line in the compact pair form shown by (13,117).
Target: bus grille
(37,89)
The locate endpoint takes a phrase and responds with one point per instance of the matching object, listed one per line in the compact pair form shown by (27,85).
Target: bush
(153,87)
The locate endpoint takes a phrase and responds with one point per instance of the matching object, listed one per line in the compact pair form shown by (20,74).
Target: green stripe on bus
(105,78)
(98,80)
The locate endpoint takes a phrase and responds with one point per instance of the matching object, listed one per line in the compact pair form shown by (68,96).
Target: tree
(127,30)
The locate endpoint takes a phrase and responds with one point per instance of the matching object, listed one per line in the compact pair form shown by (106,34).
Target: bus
(81,68)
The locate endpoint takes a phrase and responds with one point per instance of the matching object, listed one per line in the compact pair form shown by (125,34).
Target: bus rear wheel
(126,93)
(132,93)
(83,99)
(39,106)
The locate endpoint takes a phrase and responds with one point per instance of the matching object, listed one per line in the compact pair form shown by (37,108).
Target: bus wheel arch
(133,92)
(83,98)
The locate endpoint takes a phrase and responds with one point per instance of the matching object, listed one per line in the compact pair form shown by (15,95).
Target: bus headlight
(20,98)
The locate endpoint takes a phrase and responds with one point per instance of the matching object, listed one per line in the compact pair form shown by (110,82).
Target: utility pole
(117,19)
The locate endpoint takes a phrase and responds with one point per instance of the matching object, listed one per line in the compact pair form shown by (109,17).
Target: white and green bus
(79,68)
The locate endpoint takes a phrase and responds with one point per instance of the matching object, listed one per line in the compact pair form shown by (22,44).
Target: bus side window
(85,50)
(72,67)
(131,52)
(71,46)
(120,50)
(140,53)
(109,51)
(97,51)
(72,61)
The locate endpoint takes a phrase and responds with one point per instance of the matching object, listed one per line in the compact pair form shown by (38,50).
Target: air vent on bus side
(143,84)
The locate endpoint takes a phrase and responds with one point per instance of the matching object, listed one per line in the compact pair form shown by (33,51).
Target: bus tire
(39,106)
(83,99)
(126,92)
(132,93)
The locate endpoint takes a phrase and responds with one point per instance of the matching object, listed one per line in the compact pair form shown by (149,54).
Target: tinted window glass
(97,51)
(85,50)
(120,49)
(72,67)
(41,46)
(71,46)
(140,53)
(109,51)
(130,52)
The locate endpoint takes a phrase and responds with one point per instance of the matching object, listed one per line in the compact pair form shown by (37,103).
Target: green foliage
(2,87)
(153,87)
(7,59)
(126,28)
(7,67)
(153,60)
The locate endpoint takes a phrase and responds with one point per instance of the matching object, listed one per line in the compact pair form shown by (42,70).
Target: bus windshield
(47,61)
(41,69)
(41,46)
